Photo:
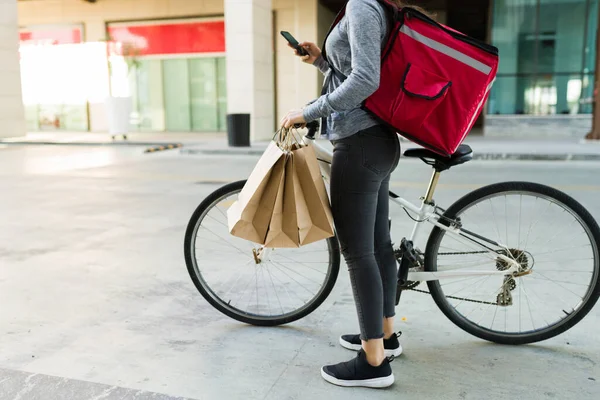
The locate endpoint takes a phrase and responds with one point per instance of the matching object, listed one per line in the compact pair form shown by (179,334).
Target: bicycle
(518,284)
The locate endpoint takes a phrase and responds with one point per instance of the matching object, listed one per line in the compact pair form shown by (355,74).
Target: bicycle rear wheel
(282,287)
(554,240)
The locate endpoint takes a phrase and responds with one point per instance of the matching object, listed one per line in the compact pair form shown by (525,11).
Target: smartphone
(291,40)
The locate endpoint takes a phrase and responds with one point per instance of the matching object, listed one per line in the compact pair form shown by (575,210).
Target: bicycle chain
(457,298)
(454,297)
(463,253)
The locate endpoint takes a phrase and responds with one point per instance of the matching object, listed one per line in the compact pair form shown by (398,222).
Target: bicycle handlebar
(312,127)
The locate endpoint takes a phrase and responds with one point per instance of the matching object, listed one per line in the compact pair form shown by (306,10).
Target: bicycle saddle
(463,154)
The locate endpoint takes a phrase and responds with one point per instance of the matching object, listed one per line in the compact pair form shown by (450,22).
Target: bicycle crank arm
(420,276)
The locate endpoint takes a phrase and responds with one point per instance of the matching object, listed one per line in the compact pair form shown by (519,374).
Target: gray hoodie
(354,49)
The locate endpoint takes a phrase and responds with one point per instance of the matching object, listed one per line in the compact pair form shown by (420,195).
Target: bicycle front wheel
(551,236)
(265,287)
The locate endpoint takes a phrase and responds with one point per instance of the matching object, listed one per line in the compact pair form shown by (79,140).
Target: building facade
(187,64)
(545,80)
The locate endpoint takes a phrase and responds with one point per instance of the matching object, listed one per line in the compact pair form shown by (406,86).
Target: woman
(365,154)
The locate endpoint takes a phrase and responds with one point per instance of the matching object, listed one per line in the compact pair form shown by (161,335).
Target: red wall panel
(172,38)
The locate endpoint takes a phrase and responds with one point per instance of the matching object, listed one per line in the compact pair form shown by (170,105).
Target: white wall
(296,83)
(250,83)
(12,115)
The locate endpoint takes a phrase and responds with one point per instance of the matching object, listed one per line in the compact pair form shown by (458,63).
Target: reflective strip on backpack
(449,51)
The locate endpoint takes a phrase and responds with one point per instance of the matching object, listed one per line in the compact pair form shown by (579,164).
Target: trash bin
(238,130)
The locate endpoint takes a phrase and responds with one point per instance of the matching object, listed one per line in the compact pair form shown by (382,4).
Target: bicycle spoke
(554,280)
(242,293)
(295,272)
(301,285)
(302,263)
(285,288)
(570,271)
(564,260)
(565,249)
(506,214)
(485,278)
(520,298)
(536,222)
(472,246)
(495,220)
(266,291)
(519,221)
(236,281)
(529,304)
(216,220)
(235,247)
(493,319)
(552,229)
(275,290)
(221,211)
(557,284)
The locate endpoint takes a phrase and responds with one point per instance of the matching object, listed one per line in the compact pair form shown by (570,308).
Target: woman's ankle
(375,360)
(374,351)
(388,327)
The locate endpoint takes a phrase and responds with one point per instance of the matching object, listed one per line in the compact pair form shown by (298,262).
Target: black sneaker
(392,345)
(358,372)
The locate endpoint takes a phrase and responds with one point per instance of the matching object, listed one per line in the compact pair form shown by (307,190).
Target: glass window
(222,93)
(561,35)
(587,93)
(149,96)
(544,46)
(203,94)
(590,37)
(31,117)
(177,95)
(74,118)
(513,32)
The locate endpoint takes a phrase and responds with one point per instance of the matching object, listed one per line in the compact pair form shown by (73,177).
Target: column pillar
(250,81)
(12,114)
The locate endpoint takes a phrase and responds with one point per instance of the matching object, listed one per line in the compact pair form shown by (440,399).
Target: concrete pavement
(96,302)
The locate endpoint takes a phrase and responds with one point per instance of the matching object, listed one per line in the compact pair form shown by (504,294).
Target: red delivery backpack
(434,80)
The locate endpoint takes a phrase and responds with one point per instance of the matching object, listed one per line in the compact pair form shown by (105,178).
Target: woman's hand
(313,52)
(294,117)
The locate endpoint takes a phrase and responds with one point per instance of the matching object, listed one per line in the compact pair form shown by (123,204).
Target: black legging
(360,180)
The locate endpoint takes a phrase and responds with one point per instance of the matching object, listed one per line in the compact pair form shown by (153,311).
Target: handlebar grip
(313,127)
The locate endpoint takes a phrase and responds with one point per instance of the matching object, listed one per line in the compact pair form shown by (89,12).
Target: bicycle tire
(512,338)
(189,249)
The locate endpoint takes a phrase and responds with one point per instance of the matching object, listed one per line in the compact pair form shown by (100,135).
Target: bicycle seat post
(432,185)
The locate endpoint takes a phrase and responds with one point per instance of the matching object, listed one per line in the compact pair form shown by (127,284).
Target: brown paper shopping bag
(283,229)
(249,217)
(315,221)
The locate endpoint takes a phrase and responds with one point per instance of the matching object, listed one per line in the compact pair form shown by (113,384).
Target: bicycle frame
(427,212)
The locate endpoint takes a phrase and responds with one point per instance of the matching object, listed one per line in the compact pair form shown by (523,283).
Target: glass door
(176,91)
(203,94)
